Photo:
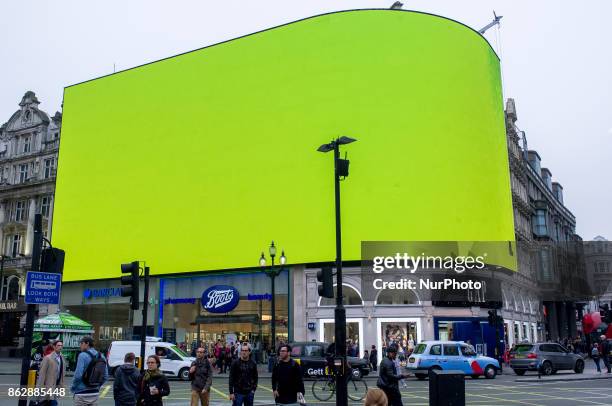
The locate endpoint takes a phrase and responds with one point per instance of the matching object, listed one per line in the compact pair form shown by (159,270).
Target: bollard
(446,388)
(32,378)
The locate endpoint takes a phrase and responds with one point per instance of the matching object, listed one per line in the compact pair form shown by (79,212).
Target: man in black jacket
(200,375)
(243,378)
(388,377)
(287,379)
(125,386)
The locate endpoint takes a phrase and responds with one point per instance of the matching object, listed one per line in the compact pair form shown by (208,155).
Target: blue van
(450,355)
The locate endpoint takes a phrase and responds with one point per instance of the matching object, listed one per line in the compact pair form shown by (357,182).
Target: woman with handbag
(153,384)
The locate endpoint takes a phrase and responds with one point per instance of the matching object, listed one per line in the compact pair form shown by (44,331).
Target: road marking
(218,392)
(105,391)
(265,387)
(505,400)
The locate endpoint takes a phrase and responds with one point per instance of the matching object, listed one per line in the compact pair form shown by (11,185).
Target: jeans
(596,360)
(606,361)
(394,397)
(247,400)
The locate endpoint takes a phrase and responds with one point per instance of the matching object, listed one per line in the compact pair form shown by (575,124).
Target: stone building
(29,143)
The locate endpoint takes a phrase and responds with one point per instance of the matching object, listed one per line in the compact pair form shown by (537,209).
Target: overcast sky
(556,60)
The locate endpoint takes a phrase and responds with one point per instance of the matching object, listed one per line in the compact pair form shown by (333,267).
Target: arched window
(350,297)
(13,289)
(397,297)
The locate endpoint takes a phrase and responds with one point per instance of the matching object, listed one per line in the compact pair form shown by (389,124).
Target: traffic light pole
(145,307)
(29,325)
(339,311)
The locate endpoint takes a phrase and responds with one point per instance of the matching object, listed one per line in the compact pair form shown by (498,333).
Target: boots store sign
(220,299)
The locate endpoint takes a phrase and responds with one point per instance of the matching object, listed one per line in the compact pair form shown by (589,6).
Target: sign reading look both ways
(43,288)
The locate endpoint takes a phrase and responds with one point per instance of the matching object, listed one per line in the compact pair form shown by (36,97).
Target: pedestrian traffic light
(52,260)
(326,277)
(129,283)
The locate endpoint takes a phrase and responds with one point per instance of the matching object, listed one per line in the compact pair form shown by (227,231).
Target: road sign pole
(29,325)
(143,332)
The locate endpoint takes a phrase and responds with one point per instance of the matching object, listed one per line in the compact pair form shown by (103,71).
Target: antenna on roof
(396,6)
(492,23)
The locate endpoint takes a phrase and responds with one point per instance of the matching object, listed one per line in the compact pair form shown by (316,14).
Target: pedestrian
(366,358)
(218,355)
(398,367)
(375,397)
(200,375)
(51,374)
(374,358)
(595,356)
(243,378)
(125,385)
(227,361)
(153,384)
(287,382)
(389,377)
(605,351)
(90,374)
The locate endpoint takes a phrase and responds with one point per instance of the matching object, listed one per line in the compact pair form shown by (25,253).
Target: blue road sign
(43,288)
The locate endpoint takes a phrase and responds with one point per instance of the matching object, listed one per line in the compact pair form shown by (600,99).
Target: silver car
(550,357)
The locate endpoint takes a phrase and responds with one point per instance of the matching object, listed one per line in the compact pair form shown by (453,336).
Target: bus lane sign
(43,288)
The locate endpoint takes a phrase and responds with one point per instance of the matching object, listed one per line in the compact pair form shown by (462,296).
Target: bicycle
(324,387)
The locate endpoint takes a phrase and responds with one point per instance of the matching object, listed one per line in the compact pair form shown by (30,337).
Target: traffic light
(52,260)
(129,283)
(326,277)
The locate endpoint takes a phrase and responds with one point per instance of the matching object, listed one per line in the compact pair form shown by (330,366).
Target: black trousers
(394,397)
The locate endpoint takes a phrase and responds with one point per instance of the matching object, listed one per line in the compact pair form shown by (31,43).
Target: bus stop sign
(43,288)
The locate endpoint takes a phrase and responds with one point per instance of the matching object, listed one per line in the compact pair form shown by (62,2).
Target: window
(45,204)
(12,245)
(420,348)
(48,168)
(435,350)
(468,350)
(26,144)
(313,351)
(539,223)
(23,173)
(450,349)
(20,210)
(56,135)
(350,297)
(396,297)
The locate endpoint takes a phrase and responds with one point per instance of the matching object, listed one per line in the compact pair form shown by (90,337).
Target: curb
(585,378)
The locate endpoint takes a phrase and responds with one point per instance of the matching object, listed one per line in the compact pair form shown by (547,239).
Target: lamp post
(340,170)
(272,273)
(2,258)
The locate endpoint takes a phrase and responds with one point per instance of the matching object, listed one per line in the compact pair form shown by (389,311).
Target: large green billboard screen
(198,161)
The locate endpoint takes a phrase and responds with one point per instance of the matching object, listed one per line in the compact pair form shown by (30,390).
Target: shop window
(350,297)
(396,297)
(13,289)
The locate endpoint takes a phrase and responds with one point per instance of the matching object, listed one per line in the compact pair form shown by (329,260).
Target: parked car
(450,355)
(174,362)
(312,357)
(550,357)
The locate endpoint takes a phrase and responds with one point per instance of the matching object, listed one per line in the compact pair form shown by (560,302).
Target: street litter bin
(446,388)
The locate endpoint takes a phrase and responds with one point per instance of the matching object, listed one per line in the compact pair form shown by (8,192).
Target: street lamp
(272,273)
(341,167)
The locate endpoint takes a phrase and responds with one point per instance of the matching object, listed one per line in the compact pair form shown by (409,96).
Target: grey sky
(556,58)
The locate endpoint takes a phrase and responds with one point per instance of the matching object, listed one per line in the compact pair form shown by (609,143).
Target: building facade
(29,143)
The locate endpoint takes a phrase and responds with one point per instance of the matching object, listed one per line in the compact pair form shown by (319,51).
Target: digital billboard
(196,162)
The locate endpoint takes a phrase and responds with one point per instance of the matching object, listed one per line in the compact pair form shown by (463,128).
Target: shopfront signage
(265,296)
(102,292)
(13,306)
(220,299)
(180,300)
(43,288)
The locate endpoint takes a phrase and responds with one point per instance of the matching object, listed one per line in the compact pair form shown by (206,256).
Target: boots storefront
(227,307)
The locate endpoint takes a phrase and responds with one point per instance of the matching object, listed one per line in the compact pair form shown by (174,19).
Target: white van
(174,362)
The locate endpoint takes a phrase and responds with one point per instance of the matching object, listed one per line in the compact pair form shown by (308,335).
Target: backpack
(95,371)
(594,352)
